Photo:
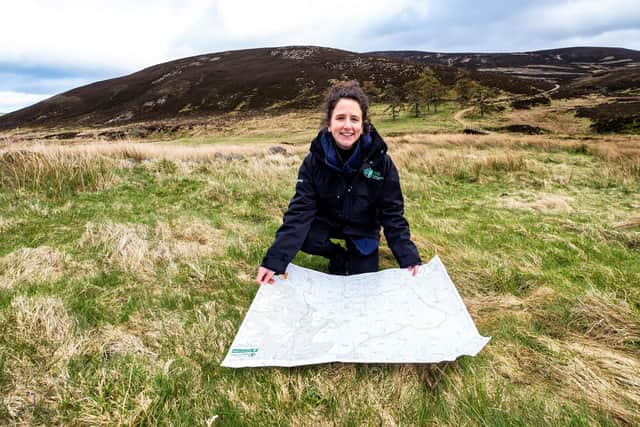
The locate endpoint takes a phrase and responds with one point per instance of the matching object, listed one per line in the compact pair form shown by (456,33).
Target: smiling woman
(347,188)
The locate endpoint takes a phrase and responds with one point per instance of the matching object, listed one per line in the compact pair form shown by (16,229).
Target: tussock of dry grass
(203,335)
(494,306)
(125,245)
(145,151)
(45,324)
(603,377)
(28,389)
(6,224)
(574,368)
(184,240)
(620,154)
(26,264)
(606,319)
(42,320)
(135,248)
(628,223)
(598,366)
(111,340)
(541,202)
(54,170)
(422,159)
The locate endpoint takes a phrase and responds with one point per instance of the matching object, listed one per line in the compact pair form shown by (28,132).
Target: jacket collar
(369,147)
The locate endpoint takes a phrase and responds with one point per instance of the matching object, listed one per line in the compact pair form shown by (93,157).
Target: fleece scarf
(365,246)
(354,162)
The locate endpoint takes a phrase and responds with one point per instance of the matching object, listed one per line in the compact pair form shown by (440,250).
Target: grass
(126,269)
(428,122)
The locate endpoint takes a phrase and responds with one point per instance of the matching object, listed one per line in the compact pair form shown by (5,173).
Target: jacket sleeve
(391,216)
(296,222)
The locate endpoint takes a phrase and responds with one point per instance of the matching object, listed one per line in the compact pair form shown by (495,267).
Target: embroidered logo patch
(371,174)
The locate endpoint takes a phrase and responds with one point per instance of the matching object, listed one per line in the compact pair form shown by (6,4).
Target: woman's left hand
(413,269)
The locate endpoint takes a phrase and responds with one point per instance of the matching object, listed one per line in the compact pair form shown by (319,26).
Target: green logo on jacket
(371,174)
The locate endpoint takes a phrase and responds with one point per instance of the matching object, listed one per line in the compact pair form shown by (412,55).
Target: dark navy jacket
(357,203)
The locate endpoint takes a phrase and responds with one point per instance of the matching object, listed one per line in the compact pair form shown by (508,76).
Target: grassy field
(126,269)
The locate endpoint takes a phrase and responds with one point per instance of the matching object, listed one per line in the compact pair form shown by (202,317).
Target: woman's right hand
(265,276)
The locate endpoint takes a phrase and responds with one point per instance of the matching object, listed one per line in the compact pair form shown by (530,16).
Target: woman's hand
(413,269)
(265,276)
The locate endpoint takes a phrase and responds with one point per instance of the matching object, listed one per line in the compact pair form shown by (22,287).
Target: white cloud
(583,16)
(321,19)
(118,33)
(12,101)
(128,35)
(121,36)
(241,24)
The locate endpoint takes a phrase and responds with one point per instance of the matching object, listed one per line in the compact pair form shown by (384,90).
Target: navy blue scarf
(331,154)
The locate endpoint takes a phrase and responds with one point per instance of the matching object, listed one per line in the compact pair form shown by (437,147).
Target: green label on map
(244,351)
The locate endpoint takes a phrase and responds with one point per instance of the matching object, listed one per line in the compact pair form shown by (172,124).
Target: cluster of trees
(427,92)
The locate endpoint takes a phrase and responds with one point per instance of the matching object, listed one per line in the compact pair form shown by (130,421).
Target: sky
(48,47)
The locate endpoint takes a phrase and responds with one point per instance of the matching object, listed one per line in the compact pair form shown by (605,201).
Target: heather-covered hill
(256,79)
(578,70)
(289,78)
(245,80)
(566,64)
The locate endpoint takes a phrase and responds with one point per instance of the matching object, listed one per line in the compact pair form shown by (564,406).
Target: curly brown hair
(351,90)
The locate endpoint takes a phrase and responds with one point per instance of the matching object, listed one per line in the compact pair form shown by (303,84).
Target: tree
(464,88)
(369,87)
(393,96)
(433,89)
(480,95)
(415,96)
(425,90)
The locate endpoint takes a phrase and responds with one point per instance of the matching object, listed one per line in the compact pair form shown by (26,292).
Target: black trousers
(318,243)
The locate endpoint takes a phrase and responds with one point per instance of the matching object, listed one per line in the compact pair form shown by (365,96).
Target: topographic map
(384,317)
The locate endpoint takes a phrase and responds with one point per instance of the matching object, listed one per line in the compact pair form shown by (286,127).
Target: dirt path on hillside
(550,91)
(459,115)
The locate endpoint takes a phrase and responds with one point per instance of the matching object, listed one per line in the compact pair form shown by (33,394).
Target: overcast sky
(47,47)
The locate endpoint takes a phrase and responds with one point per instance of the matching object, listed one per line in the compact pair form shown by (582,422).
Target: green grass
(533,253)
(428,121)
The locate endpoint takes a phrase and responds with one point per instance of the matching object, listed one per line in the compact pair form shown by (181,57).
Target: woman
(347,187)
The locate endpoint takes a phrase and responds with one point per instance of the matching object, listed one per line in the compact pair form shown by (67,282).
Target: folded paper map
(384,317)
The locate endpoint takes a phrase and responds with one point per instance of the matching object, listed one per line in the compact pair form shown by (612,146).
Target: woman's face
(346,123)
